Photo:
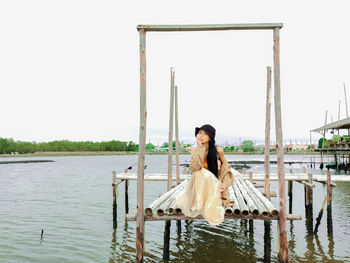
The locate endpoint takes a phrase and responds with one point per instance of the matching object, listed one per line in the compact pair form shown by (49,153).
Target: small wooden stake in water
(126,194)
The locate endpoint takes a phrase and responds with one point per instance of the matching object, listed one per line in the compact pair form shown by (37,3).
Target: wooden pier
(282,216)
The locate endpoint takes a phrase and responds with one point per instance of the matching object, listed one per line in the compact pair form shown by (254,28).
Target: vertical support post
(324,137)
(140,218)
(251,177)
(114,189)
(171,122)
(177,138)
(126,193)
(311,196)
(329,188)
(267,134)
(282,231)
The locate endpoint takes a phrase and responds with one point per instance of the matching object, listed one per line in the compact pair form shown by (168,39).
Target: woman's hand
(219,164)
(199,144)
(221,189)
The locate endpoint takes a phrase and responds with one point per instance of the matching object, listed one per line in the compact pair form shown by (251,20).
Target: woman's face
(203,137)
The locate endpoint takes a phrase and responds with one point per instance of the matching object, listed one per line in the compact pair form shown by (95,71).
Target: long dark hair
(212,158)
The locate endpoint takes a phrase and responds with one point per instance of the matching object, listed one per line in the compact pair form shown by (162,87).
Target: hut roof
(341,124)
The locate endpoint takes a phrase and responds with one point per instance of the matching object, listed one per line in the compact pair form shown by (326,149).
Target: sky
(70,69)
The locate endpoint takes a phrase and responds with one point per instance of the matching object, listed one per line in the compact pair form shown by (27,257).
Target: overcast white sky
(70,69)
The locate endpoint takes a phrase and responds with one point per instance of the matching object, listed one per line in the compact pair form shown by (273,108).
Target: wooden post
(114,189)
(126,194)
(324,136)
(329,188)
(171,122)
(267,134)
(251,177)
(282,231)
(177,138)
(310,190)
(304,169)
(140,218)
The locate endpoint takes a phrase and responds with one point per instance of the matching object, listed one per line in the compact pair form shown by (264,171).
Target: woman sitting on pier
(206,194)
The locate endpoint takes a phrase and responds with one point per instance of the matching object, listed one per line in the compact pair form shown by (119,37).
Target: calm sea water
(70,199)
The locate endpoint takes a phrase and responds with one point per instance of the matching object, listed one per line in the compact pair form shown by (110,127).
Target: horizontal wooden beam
(132,217)
(210,27)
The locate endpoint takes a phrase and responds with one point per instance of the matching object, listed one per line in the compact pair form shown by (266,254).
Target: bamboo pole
(267,134)
(163,207)
(232,196)
(130,217)
(171,122)
(126,193)
(250,203)
(282,233)
(271,209)
(177,138)
(156,203)
(242,205)
(140,223)
(258,203)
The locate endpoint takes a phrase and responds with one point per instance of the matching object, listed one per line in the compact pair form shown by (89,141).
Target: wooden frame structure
(140,216)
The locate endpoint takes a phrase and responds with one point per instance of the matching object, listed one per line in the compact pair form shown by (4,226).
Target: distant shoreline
(77,153)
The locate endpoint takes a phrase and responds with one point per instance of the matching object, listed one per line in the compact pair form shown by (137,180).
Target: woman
(206,193)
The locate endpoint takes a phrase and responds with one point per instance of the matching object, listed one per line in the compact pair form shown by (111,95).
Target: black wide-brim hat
(208,129)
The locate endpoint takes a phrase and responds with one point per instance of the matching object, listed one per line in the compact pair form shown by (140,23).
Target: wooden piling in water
(329,188)
(126,193)
(282,229)
(267,134)
(140,220)
(114,190)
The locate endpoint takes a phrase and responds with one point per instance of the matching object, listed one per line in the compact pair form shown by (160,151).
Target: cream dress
(202,197)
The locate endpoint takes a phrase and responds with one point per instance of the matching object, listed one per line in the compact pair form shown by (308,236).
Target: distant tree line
(8,146)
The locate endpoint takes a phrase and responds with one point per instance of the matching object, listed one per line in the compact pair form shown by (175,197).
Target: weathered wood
(329,188)
(177,146)
(171,122)
(307,184)
(140,222)
(126,193)
(250,203)
(209,27)
(267,134)
(283,242)
(322,182)
(242,205)
(130,217)
(114,187)
(269,206)
(156,203)
(310,189)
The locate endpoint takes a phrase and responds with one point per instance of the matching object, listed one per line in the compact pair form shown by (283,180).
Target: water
(71,201)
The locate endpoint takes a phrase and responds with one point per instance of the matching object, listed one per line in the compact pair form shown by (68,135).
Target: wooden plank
(210,27)
(130,217)
(140,222)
